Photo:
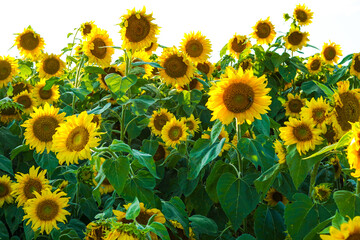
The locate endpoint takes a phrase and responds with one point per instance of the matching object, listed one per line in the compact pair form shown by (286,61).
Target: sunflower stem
(238,133)
(357,187)
(77,80)
(313,177)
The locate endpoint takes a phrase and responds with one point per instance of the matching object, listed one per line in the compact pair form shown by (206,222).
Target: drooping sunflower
(159,119)
(317,110)
(6,188)
(46,96)
(50,66)
(264,31)
(41,127)
(161,152)
(46,209)
(332,133)
(242,96)
(141,56)
(280,151)
(303,15)
(337,166)
(74,138)
(30,44)
(86,28)
(238,44)
(174,132)
(112,69)
(27,100)
(21,86)
(223,134)
(180,233)
(177,68)
(355,65)
(152,47)
(302,133)
(322,192)
(349,230)
(331,52)
(193,84)
(293,105)
(29,183)
(124,231)
(314,64)
(296,40)
(196,46)
(98,47)
(206,67)
(273,197)
(97,230)
(97,119)
(246,64)
(192,123)
(9,111)
(138,30)
(8,69)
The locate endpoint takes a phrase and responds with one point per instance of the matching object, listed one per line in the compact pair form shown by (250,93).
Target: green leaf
(266,179)
(132,189)
(223,50)
(141,104)
(337,75)
(145,179)
(316,230)
(338,220)
(237,198)
(175,210)
(262,126)
(46,161)
(50,82)
(81,93)
(6,164)
(4,234)
(25,71)
(17,150)
(215,131)
(119,146)
(119,85)
(99,110)
(13,216)
(116,171)
(92,69)
(246,237)
(345,59)
(160,230)
(201,154)
(204,225)
(276,59)
(249,151)
(150,146)
(325,89)
(298,64)
(269,223)
(288,72)
(348,203)
(134,210)
(153,64)
(146,160)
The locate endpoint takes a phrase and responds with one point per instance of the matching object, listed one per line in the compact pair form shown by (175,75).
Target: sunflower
(196,46)
(159,119)
(180,233)
(223,134)
(121,231)
(46,96)
(50,66)
(302,133)
(237,45)
(303,15)
(296,40)
(21,86)
(141,56)
(74,138)
(86,28)
(317,110)
(332,133)
(331,52)
(27,100)
(98,47)
(8,70)
(10,111)
(97,119)
(264,31)
(349,230)
(28,184)
(335,162)
(96,230)
(46,209)
(206,67)
(246,64)
(152,47)
(314,64)
(146,214)
(173,132)
(322,192)
(41,127)
(242,96)
(30,44)
(353,155)
(192,124)
(273,197)
(105,186)
(137,29)
(111,69)
(355,65)
(161,152)
(293,105)
(177,69)
(6,188)
(280,151)
(193,84)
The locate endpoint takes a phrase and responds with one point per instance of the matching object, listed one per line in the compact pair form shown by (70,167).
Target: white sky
(218,20)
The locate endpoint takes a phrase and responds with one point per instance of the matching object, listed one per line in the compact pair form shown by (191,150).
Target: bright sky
(218,20)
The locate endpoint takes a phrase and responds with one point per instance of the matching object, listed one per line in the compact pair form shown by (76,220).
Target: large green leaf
(132,189)
(203,225)
(46,161)
(119,146)
(348,203)
(288,72)
(266,179)
(144,179)
(269,223)
(215,131)
(116,171)
(160,230)
(120,85)
(246,237)
(175,210)
(6,164)
(146,160)
(249,151)
(134,210)
(262,126)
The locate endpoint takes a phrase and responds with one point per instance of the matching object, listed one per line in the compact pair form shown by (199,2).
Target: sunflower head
(27,100)
(303,15)
(355,65)
(322,192)
(280,151)
(296,40)
(50,66)
(159,119)
(193,84)
(317,110)
(86,28)
(161,152)
(97,230)
(180,231)
(348,230)
(331,52)
(85,174)
(30,44)
(111,69)
(192,124)
(206,67)
(294,105)
(152,47)
(264,31)
(174,132)
(6,188)
(273,197)
(314,64)
(238,44)
(46,96)
(9,110)
(120,230)
(21,86)
(335,162)
(196,46)
(246,64)
(8,70)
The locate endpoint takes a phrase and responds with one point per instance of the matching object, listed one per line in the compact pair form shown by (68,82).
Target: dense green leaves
(348,203)
(116,171)
(120,85)
(269,222)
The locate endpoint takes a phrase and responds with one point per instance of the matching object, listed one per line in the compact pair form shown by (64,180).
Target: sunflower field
(161,143)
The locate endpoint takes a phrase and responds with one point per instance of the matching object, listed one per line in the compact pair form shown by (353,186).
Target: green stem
(313,177)
(357,187)
(77,80)
(122,136)
(238,133)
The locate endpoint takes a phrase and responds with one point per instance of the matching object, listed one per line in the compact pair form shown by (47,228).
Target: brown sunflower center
(106,182)
(203,67)
(25,100)
(160,121)
(263,30)
(45,127)
(175,133)
(149,47)
(193,83)
(238,97)
(30,186)
(143,217)
(354,236)
(330,135)
(295,38)
(96,120)
(301,16)
(194,48)
(45,94)
(302,133)
(238,46)
(315,64)
(356,65)
(86,29)
(29,41)
(323,193)
(245,64)
(99,50)
(330,53)
(51,66)
(5,69)
(10,111)
(319,115)
(190,124)
(350,112)
(277,197)
(138,28)
(160,153)
(77,139)
(19,87)
(175,67)
(295,105)
(4,190)
(47,210)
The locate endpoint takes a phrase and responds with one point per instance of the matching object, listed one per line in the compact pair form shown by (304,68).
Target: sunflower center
(295,38)
(10,111)
(194,48)
(301,16)
(5,69)
(323,193)
(45,127)
(29,41)
(190,125)
(350,112)
(19,87)
(263,30)
(143,218)
(45,94)
(329,53)
(245,65)
(277,197)
(96,120)
(175,66)
(99,50)
(238,46)
(238,97)
(160,153)
(302,133)
(355,236)
(77,139)
(160,121)
(4,190)
(193,83)
(175,133)
(315,64)
(330,135)
(106,182)
(149,47)
(318,115)
(25,100)
(295,105)
(30,186)
(47,210)
(203,67)
(51,66)
(138,28)
(356,64)
(87,29)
